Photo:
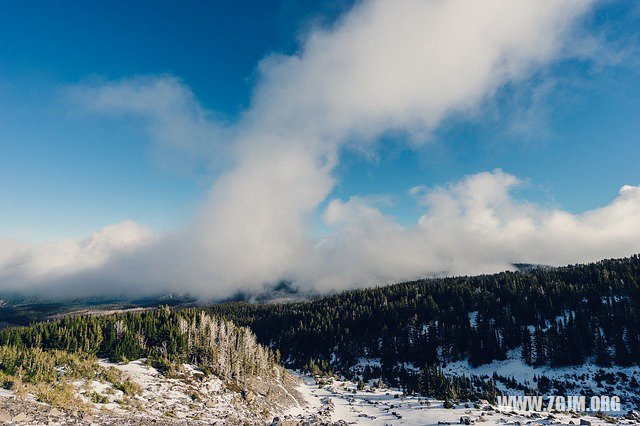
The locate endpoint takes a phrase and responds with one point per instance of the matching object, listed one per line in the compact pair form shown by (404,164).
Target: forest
(549,316)
(552,316)
(166,337)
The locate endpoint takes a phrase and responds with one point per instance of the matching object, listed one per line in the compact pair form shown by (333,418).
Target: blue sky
(287,138)
(67,174)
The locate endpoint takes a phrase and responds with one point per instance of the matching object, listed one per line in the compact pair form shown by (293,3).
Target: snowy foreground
(337,401)
(186,397)
(294,399)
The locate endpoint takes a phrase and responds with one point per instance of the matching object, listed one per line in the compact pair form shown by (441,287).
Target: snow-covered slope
(587,379)
(340,401)
(189,397)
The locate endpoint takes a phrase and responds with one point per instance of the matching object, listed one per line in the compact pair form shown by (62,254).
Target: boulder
(632,415)
(248,395)
(466,420)
(21,417)
(55,412)
(584,422)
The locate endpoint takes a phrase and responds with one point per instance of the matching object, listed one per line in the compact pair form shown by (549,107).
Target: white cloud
(32,267)
(470,227)
(384,66)
(184,133)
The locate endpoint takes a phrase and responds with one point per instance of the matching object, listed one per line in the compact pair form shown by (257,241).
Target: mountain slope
(208,357)
(593,309)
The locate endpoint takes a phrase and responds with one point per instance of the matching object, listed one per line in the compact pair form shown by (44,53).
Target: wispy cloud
(384,66)
(184,133)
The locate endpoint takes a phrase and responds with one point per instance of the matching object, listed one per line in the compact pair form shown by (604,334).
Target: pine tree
(539,345)
(526,347)
(603,357)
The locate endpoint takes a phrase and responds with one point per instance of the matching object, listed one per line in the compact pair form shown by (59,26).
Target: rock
(396,414)
(210,404)
(4,416)
(632,415)
(584,422)
(21,417)
(288,423)
(55,412)
(248,395)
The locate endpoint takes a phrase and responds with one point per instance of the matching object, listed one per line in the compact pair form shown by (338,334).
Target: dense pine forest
(552,316)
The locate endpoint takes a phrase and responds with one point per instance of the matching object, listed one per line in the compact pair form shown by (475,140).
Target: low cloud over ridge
(384,66)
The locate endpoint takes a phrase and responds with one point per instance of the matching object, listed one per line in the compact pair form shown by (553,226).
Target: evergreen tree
(526,353)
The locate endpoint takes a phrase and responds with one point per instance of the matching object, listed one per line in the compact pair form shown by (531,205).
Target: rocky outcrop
(187,398)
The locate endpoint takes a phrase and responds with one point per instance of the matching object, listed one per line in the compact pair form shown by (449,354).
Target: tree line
(550,316)
(167,337)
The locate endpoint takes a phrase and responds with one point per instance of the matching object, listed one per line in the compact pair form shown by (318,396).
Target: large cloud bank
(384,66)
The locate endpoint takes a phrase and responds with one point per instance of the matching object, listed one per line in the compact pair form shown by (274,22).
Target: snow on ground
(473,318)
(577,379)
(188,396)
(193,398)
(371,362)
(340,401)
(516,368)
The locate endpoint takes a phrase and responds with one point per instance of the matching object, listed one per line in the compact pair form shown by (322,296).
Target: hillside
(546,317)
(545,331)
(212,362)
